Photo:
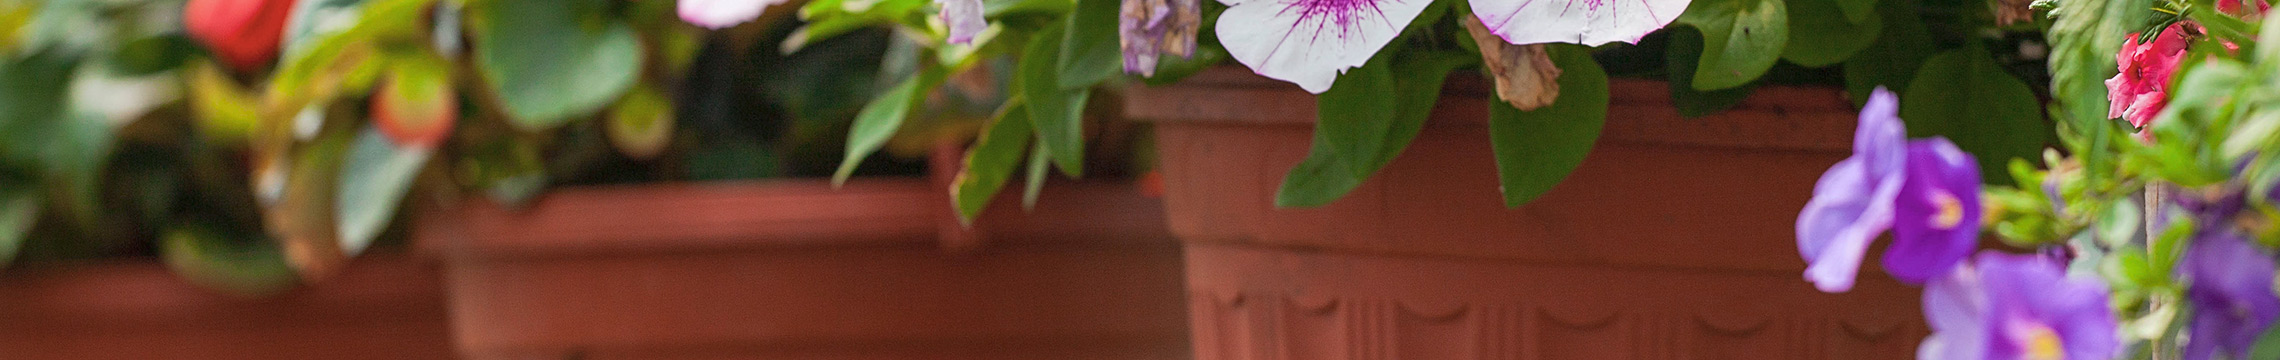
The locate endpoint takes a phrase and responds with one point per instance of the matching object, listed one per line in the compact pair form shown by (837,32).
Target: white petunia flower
(718,14)
(1310,42)
(1588,22)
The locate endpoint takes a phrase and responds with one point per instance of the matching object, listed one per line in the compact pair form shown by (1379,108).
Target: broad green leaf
(1741,39)
(1353,116)
(991,161)
(372,185)
(1090,49)
(1823,35)
(1892,59)
(1328,173)
(237,264)
(879,120)
(1680,55)
(1058,113)
(1968,98)
(552,60)
(1860,11)
(1537,149)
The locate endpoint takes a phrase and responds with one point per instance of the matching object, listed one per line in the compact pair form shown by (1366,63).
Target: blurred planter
(1672,240)
(379,307)
(796,270)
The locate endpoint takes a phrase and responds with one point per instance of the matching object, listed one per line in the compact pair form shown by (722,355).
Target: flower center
(1950,211)
(2038,342)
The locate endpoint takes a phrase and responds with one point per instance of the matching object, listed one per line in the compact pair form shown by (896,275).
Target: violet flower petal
(964,17)
(2232,296)
(1853,201)
(1936,222)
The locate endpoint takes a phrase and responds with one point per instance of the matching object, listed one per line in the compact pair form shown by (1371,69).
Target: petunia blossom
(1311,42)
(2141,89)
(964,18)
(1150,29)
(2232,296)
(2017,307)
(1853,202)
(1937,219)
(718,14)
(1588,22)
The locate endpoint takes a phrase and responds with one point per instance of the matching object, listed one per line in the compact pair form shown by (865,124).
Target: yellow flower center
(1950,211)
(2040,343)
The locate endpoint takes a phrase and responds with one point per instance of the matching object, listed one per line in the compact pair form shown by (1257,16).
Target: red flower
(2141,90)
(243,33)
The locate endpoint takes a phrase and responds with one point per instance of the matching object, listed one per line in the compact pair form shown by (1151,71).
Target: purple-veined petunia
(964,17)
(2017,307)
(1150,29)
(2232,296)
(1310,42)
(717,14)
(1936,222)
(1588,22)
(1853,202)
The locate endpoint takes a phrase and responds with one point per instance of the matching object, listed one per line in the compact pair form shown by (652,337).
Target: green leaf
(1091,51)
(991,161)
(237,264)
(1038,162)
(551,60)
(313,20)
(19,209)
(1058,113)
(2083,45)
(1824,34)
(372,185)
(1680,55)
(1538,148)
(1345,154)
(879,120)
(1353,116)
(1892,59)
(1968,98)
(1741,39)
(1860,11)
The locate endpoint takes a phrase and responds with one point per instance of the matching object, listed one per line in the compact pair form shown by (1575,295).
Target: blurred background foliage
(172,129)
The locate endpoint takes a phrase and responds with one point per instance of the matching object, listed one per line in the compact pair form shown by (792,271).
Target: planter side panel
(1674,239)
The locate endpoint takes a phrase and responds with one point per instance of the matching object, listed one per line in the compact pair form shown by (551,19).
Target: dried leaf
(1525,75)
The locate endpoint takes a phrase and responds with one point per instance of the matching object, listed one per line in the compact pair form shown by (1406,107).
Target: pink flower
(2141,90)
(2234,7)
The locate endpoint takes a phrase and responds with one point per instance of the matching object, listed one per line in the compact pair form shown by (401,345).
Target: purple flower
(1937,219)
(2232,295)
(964,17)
(2017,307)
(1310,42)
(1152,28)
(1853,202)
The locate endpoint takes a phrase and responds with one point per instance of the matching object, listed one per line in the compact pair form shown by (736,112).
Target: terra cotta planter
(794,269)
(386,306)
(1673,240)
